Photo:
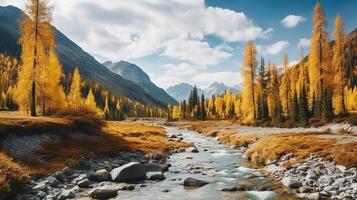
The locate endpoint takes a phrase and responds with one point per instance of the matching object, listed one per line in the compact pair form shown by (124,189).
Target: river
(216,163)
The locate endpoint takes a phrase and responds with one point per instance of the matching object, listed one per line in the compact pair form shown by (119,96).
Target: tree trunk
(33,91)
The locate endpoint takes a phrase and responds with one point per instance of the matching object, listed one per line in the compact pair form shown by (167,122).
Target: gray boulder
(85,183)
(66,194)
(133,171)
(192,150)
(309,196)
(155,176)
(102,175)
(194,182)
(103,193)
(292,182)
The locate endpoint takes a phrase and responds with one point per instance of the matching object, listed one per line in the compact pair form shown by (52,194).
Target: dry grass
(233,138)
(72,140)
(272,147)
(13,176)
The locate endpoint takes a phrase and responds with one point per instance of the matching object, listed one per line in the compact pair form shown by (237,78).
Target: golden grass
(271,147)
(72,140)
(233,138)
(13,176)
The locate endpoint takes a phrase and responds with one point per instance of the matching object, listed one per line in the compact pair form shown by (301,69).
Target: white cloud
(182,69)
(304,42)
(277,47)
(196,52)
(167,81)
(227,77)
(292,21)
(120,29)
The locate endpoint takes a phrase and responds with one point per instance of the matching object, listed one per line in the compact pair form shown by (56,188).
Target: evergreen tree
(74,98)
(203,107)
(295,112)
(304,107)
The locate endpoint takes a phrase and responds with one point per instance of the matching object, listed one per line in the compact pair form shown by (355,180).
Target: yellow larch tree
(249,73)
(339,64)
(90,102)
(285,97)
(319,59)
(74,98)
(35,40)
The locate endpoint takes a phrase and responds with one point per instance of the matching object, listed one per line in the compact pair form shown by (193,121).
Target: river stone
(133,171)
(103,193)
(291,182)
(311,174)
(52,181)
(85,183)
(67,171)
(66,194)
(229,189)
(101,175)
(287,157)
(308,196)
(194,182)
(192,150)
(155,176)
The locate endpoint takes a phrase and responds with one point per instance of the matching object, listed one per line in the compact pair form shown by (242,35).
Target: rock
(40,186)
(309,196)
(79,178)
(41,194)
(341,168)
(103,193)
(66,194)
(85,183)
(311,174)
(303,168)
(67,171)
(127,187)
(52,181)
(164,190)
(287,157)
(229,189)
(304,189)
(273,168)
(326,180)
(173,136)
(192,150)
(291,182)
(166,167)
(133,171)
(155,176)
(194,182)
(102,175)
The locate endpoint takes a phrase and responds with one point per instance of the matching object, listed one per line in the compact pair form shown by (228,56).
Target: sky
(193,41)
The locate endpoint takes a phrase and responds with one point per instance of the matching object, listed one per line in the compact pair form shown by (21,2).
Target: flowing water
(216,163)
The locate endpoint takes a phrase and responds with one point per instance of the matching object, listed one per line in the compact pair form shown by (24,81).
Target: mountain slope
(182,91)
(71,56)
(135,74)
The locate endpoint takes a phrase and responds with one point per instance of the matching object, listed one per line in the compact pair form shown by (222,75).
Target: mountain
(218,88)
(135,74)
(71,56)
(182,91)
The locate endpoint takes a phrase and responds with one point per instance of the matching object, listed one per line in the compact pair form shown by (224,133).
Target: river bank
(316,163)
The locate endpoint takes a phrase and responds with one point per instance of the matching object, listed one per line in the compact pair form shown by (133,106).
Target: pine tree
(249,74)
(339,63)
(203,107)
(304,107)
(90,102)
(295,112)
(285,85)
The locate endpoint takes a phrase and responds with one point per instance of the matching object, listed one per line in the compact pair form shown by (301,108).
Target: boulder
(309,196)
(287,157)
(194,182)
(79,178)
(103,193)
(155,176)
(166,167)
(229,189)
(192,150)
(52,181)
(67,171)
(85,183)
(102,175)
(66,194)
(133,171)
(292,182)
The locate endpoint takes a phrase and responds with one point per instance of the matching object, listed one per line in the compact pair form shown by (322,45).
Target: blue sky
(192,41)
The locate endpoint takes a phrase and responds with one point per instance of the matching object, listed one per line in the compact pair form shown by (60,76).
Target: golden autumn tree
(36,40)
(249,73)
(339,64)
(319,59)
(90,102)
(285,85)
(74,98)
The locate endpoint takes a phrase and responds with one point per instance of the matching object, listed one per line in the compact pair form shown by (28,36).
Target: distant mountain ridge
(182,91)
(135,74)
(71,56)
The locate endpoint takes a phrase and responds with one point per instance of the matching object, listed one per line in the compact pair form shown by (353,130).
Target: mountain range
(135,74)
(182,91)
(71,56)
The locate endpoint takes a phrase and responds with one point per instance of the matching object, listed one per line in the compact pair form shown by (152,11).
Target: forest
(321,86)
